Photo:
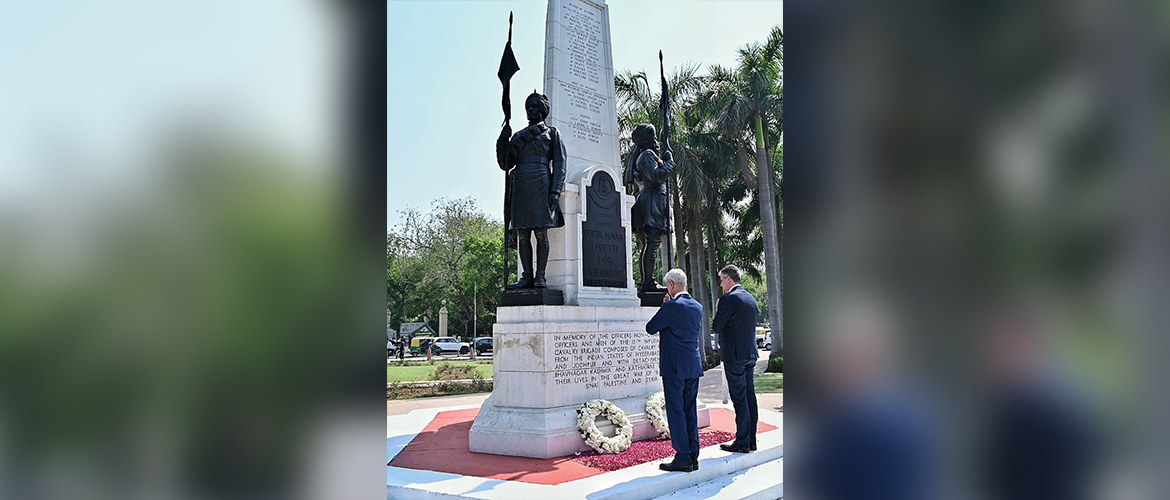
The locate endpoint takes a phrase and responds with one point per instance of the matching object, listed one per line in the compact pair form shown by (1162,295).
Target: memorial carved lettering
(603,238)
(584,84)
(608,360)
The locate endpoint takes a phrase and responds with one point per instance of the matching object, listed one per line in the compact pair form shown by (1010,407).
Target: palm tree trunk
(778,327)
(718,261)
(698,284)
(713,264)
(678,229)
(695,244)
(771,239)
(770,149)
(714,291)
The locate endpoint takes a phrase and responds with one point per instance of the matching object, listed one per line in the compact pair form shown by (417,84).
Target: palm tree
(747,102)
(711,161)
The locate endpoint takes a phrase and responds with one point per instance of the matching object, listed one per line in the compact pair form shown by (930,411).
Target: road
(445,357)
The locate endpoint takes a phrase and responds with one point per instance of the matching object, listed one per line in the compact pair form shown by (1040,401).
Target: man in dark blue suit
(680,365)
(735,322)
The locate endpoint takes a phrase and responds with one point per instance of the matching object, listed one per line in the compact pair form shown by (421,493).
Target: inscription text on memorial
(604,359)
(603,239)
(584,84)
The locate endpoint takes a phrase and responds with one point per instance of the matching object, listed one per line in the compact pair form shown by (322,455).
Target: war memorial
(570,333)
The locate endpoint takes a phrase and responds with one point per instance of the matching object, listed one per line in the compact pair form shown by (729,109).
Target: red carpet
(442,447)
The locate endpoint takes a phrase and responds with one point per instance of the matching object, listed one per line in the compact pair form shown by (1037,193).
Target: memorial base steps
(761,482)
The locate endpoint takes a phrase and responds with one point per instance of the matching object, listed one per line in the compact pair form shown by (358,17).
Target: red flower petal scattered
(649,450)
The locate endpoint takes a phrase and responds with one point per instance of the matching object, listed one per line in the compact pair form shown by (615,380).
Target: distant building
(409,330)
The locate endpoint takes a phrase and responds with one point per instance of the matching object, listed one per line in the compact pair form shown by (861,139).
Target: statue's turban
(539,99)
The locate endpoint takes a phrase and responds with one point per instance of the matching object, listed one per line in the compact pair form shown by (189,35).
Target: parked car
(483,344)
(452,344)
(763,337)
(418,345)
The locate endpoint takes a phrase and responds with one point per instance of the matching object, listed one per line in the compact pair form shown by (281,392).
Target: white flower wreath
(656,411)
(587,426)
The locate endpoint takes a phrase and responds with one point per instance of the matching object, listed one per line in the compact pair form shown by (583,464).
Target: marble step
(711,470)
(762,482)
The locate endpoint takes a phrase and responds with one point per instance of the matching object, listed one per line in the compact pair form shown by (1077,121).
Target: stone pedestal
(532,297)
(651,299)
(549,360)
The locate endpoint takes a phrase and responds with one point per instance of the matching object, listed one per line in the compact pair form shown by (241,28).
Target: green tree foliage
(728,143)
(453,252)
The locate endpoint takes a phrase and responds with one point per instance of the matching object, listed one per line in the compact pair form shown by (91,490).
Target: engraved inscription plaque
(584,83)
(617,361)
(603,239)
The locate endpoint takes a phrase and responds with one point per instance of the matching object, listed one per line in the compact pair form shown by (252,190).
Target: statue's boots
(540,282)
(525,281)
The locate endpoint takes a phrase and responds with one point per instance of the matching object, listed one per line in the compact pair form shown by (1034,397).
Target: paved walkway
(404,406)
(713,387)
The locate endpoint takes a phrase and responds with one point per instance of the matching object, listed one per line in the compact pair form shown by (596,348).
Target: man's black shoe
(677,467)
(695,465)
(734,449)
(752,447)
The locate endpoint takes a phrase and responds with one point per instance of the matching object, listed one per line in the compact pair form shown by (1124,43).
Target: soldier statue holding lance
(535,160)
(650,217)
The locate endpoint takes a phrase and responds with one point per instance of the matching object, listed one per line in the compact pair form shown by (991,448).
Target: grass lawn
(770,382)
(419,372)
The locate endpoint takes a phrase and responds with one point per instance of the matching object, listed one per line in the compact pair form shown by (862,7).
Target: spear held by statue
(664,106)
(508,67)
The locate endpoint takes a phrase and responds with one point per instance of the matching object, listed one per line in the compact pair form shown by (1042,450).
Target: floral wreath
(587,426)
(656,411)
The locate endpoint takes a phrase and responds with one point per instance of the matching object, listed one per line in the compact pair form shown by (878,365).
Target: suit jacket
(735,322)
(678,322)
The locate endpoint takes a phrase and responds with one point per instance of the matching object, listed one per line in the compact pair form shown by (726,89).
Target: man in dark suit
(735,322)
(678,322)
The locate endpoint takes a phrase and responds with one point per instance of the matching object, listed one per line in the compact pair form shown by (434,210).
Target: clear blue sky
(444,97)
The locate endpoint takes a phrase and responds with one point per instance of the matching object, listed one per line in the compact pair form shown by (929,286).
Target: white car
(763,337)
(452,344)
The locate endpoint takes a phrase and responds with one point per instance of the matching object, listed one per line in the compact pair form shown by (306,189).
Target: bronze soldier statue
(650,217)
(535,161)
